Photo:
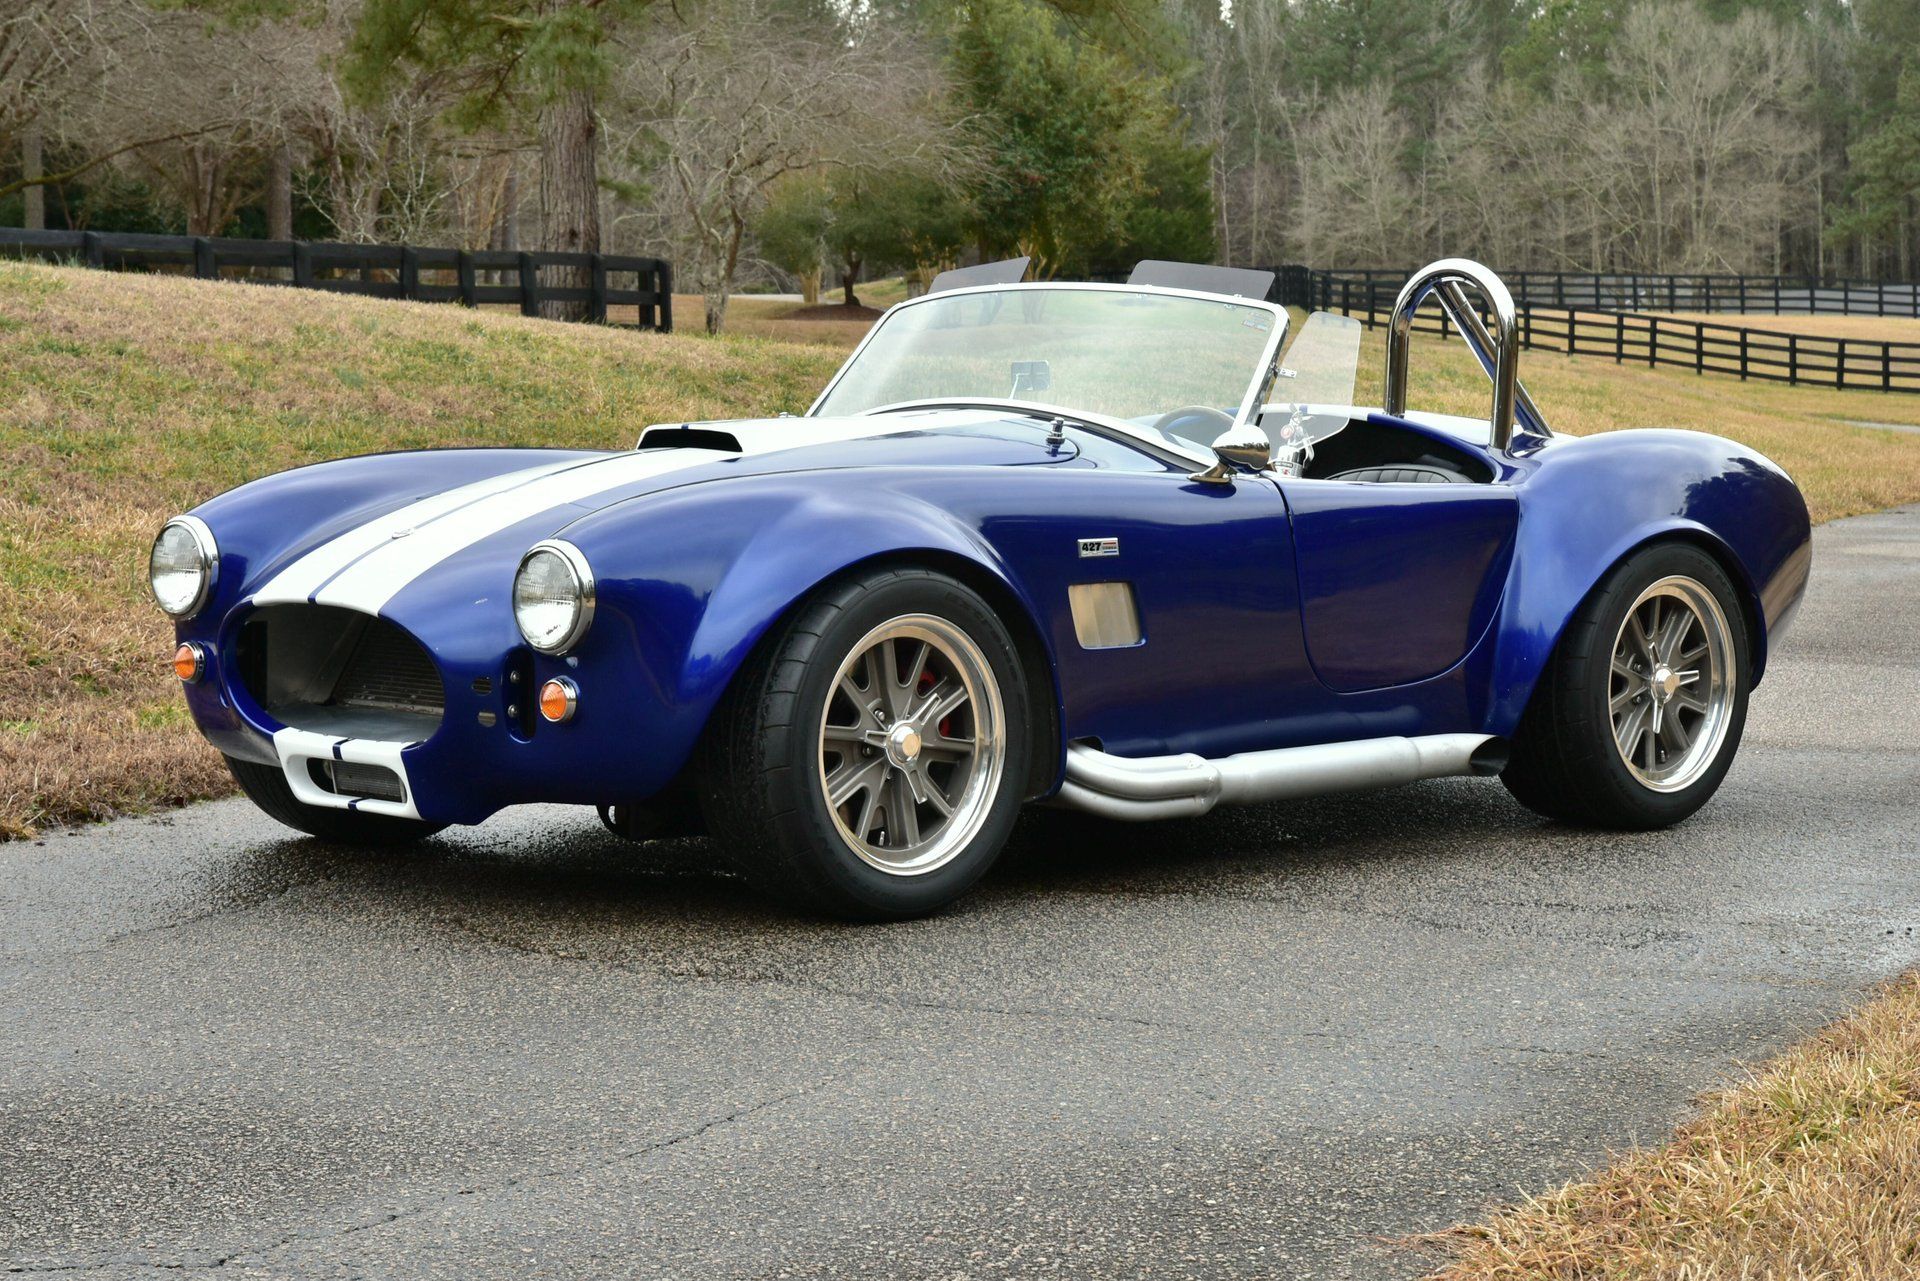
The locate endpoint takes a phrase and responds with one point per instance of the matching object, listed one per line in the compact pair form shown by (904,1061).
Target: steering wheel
(1213,417)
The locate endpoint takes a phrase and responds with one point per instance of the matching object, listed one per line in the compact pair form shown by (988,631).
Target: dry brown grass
(752,317)
(1871,328)
(1807,1169)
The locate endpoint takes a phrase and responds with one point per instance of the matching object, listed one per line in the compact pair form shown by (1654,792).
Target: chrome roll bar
(1498,352)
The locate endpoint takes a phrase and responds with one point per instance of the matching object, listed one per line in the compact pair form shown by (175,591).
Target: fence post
(463,268)
(1743,297)
(1743,353)
(529,286)
(1619,338)
(1699,348)
(1793,358)
(597,291)
(409,273)
(1653,341)
(1886,366)
(203,264)
(302,265)
(663,290)
(1573,333)
(1840,365)
(91,250)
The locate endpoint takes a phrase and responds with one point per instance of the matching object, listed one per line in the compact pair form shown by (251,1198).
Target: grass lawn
(1809,1169)
(1869,328)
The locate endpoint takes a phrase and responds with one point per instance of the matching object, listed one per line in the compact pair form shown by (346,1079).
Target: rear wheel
(266,786)
(871,760)
(1636,719)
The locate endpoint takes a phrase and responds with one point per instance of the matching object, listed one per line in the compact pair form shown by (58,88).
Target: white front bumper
(298,747)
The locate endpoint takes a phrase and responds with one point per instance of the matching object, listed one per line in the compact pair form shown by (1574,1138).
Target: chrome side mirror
(1240,448)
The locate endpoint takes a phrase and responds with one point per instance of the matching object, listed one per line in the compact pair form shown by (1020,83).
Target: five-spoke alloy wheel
(1637,716)
(871,760)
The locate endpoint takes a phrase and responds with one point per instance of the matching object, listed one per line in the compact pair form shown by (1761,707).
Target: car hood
(358,532)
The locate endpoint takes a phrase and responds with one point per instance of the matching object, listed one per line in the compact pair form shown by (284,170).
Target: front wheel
(872,758)
(266,786)
(1637,717)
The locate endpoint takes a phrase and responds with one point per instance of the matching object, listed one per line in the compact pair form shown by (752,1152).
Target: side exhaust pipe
(1185,786)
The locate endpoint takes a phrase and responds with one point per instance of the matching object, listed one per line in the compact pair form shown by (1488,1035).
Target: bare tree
(1702,132)
(1355,203)
(747,97)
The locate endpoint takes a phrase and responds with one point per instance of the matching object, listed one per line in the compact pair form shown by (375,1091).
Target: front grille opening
(335,671)
(350,778)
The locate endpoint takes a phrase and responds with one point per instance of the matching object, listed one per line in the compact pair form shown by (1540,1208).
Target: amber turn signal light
(190,662)
(559,698)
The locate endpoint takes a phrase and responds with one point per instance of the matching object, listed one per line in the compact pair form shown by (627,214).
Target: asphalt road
(1258,1044)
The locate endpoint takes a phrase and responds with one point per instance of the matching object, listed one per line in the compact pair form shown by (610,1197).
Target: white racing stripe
(299,581)
(368,566)
(369,583)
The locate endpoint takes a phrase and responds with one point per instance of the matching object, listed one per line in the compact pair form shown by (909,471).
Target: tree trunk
(729,267)
(569,191)
(31,168)
(280,195)
(506,232)
(848,275)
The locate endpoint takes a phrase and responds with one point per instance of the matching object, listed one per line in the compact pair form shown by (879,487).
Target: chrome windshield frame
(1263,374)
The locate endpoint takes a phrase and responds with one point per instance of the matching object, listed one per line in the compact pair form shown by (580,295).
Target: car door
(1396,581)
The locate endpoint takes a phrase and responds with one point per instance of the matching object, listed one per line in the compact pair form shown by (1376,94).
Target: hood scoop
(688,436)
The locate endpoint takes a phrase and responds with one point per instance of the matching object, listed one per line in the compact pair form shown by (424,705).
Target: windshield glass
(1120,353)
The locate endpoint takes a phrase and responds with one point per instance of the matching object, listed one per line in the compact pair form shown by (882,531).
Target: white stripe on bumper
(296,747)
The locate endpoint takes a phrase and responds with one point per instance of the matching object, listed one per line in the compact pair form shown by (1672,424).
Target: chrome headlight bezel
(207,557)
(583,595)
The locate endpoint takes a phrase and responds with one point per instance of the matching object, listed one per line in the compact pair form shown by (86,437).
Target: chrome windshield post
(1498,352)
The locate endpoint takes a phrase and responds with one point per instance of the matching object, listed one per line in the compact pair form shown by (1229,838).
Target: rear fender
(1590,502)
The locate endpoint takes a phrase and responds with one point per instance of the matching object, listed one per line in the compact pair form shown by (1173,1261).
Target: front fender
(692,579)
(1587,503)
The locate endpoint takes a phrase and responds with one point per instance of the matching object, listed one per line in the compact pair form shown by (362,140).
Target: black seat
(1404,474)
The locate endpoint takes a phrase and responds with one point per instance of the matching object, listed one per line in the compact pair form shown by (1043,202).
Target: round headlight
(553,596)
(182,566)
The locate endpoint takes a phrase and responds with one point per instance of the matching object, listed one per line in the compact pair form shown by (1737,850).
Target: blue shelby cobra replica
(1089,543)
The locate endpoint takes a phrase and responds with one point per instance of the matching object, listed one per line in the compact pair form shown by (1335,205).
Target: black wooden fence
(1779,295)
(1631,337)
(614,288)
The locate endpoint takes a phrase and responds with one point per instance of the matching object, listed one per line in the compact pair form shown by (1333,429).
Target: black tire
(1566,763)
(760,772)
(267,787)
